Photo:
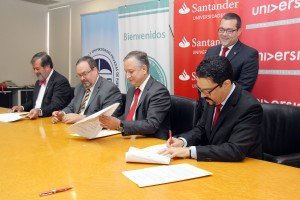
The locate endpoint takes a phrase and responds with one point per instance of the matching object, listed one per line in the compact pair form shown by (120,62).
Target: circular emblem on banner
(156,71)
(107,65)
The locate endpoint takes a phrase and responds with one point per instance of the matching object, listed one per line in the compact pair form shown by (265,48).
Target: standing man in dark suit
(244,59)
(92,95)
(51,92)
(229,129)
(147,103)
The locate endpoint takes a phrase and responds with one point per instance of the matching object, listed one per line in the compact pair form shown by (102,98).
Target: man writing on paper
(51,92)
(229,129)
(147,103)
(92,95)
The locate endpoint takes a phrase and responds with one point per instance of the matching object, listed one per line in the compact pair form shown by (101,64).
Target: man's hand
(176,152)
(71,118)
(175,142)
(16,109)
(108,122)
(33,113)
(57,116)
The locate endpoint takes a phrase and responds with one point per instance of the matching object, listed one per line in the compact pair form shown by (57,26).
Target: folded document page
(11,117)
(147,155)
(164,174)
(90,127)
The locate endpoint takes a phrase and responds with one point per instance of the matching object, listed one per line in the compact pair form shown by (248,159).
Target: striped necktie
(85,98)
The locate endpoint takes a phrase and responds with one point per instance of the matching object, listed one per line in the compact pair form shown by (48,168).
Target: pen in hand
(54,191)
(170,137)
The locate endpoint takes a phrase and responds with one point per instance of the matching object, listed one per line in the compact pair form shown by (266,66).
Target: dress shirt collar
(231,91)
(142,86)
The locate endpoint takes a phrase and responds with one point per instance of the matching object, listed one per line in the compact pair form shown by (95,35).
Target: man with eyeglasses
(52,91)
(244,59)
(229,129)
(92,95)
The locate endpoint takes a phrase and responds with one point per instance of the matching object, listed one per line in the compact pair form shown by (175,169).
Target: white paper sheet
(147,155)
(11,117)
(90,127)
(164,174)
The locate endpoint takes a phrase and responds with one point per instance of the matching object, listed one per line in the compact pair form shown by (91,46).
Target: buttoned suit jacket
(105,93)
(152,113)
(57,95)
(236,134)
(244,61)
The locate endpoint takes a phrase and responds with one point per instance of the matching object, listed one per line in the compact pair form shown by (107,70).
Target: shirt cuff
(193,152)
(184,141)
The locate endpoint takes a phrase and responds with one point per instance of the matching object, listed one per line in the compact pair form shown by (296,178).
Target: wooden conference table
(36,156)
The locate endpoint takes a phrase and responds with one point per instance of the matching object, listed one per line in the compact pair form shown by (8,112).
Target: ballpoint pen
(170,137)
(54,191)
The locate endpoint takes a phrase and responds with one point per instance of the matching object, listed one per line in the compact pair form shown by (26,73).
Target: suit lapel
(80,94)
(234,51)
(145,91)
(95,91)
(49,84)
(225,112)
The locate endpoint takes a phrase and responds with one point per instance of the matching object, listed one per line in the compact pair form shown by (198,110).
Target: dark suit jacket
(105,93)
(152,112)
(57,95)
(236,133)
(244,61)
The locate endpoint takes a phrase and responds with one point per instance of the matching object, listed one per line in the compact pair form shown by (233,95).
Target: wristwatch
(121,128)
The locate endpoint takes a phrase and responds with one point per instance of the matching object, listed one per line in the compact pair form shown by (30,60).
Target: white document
(11,117)
(90,128)
(147,155)
(164,174)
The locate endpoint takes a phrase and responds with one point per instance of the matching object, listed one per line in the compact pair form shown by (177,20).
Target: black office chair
(184,114)
(281,134)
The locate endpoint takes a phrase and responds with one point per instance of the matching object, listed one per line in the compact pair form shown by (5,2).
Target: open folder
(90,127)
(164,174)
(147,155)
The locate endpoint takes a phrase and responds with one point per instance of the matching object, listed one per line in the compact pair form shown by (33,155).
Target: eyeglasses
(84,74)
(206,91)
(228,31)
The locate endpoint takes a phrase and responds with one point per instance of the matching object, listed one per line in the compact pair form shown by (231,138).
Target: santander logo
(184,76)
(184,9)
(184,43)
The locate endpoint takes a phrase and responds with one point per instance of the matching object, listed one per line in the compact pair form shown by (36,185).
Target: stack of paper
(11,117)
(164,174)
(90,127)
(147,155)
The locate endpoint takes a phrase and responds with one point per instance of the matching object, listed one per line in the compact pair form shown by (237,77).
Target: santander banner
(269,26)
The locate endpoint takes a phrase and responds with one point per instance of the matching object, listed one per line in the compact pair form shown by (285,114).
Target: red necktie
(217,113)
(42,82)
(224,50)
(133,107)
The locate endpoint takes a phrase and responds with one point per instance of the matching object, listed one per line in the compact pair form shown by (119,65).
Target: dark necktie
(42,82)
(224,50)
(133,107)
(217,113)
(85,98)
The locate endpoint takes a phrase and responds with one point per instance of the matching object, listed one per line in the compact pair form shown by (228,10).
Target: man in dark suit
(147,103)
(244,59)
(51,92)
(92,95)
(229,129)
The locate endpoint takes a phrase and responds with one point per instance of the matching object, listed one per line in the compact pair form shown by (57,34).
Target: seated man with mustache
(229,128)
